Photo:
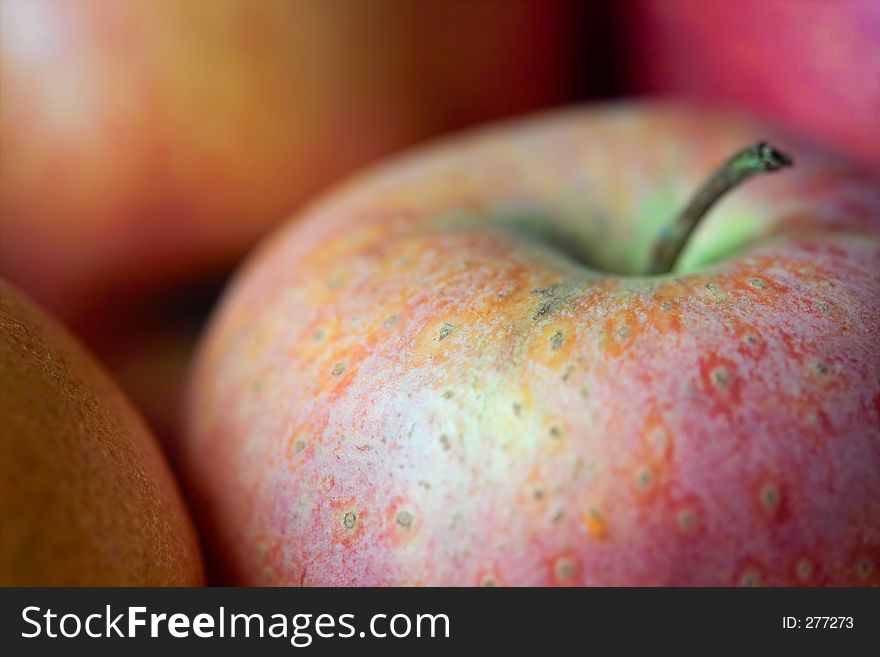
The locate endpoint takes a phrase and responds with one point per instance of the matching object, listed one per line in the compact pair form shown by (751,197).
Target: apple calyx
(757,159)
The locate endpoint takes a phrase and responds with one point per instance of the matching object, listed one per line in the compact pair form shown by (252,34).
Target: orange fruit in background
(86,497)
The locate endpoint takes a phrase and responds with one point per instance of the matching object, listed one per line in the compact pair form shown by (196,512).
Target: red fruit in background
(428,378)
(145,142)
(813,65)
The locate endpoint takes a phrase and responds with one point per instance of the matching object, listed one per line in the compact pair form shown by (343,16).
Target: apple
(86,497)
(454,370)
(147,143)
(813,65)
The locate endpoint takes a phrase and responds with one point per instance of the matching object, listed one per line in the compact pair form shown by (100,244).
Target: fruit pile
(632,343)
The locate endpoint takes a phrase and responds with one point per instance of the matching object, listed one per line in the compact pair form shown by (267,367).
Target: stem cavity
(757,159)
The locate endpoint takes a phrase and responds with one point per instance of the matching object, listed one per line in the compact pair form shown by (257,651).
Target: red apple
(86,497)
(815,65)
(144,142)
(451,371)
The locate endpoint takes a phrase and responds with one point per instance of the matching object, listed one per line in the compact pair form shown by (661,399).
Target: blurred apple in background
(147,142)
(812,65)
(146,145)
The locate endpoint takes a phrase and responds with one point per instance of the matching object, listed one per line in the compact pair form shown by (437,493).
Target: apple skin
(418,381)
(813,65)
(147,143)
(86,496)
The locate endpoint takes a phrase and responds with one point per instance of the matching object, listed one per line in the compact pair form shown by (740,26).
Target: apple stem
(756,159)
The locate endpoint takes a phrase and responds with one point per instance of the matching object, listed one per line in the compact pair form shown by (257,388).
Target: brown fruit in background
(86,497)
